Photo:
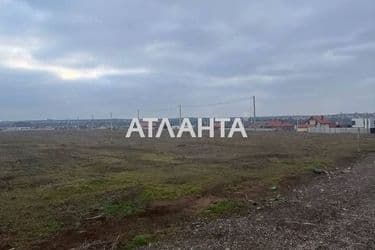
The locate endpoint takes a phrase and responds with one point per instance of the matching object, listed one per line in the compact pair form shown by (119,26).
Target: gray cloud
(61,59)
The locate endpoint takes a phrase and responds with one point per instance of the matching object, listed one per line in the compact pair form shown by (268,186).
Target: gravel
(332,212)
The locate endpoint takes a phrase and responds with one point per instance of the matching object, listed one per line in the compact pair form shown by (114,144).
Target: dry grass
(52,181)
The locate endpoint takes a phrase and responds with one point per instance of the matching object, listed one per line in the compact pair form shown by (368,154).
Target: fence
(325,130)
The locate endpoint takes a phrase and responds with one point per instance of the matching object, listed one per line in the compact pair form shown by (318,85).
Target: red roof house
(319,121)
(278,125)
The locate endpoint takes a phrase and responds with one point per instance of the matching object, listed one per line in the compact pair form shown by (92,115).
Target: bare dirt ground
(334,211)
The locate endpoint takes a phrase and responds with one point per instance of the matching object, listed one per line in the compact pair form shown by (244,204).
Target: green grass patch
(53,225)
(140,240)
(170,192)
(123,209)
(223,207)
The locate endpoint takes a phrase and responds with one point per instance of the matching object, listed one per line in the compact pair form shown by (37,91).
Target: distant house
(278,125)
(302,128)
(363,123)
(319,121)
(315,122)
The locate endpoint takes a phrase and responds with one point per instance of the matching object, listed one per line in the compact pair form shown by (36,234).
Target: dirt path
(332,212)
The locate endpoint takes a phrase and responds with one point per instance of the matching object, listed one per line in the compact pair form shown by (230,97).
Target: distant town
(337,123)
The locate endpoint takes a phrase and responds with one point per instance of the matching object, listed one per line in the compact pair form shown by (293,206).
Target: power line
(217,103)
(201,105)
(111,121)
(254,112)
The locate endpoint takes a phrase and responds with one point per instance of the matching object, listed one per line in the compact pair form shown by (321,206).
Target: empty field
(72,187)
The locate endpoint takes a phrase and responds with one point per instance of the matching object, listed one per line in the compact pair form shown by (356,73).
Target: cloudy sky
(64,59)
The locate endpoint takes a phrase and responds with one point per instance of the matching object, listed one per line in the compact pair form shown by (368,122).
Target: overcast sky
(64,59)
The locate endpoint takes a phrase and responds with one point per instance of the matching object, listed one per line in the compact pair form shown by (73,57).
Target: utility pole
(180,107)
(92,121)
(111,122)
(110,138)
(358,140)
(297,123)
(254,113)
(138,114)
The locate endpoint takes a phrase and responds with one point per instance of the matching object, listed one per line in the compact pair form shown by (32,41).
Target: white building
(363,123)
